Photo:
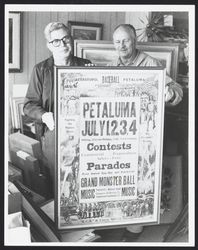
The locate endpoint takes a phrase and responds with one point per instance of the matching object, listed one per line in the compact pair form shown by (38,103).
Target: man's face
(124,42)
(65,48)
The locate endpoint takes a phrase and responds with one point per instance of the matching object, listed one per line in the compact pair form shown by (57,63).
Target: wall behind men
(33,43)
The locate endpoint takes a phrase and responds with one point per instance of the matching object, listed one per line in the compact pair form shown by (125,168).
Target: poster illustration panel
(109,129)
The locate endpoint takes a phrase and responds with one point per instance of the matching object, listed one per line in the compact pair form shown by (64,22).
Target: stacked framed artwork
(103,53)
(19,121)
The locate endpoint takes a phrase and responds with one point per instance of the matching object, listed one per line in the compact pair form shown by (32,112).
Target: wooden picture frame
(166,53)
(15,42)
(84,195)
(16,107)
(103,53)
(21,122)
(85,31)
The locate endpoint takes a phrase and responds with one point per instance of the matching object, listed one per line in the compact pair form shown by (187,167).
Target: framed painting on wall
(85,31)
(104,142)
(103,53)
(15,38)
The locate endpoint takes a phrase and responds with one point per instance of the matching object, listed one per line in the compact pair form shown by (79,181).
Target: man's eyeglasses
(57,42)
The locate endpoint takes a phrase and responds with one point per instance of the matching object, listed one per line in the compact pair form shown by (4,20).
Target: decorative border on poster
(109,140)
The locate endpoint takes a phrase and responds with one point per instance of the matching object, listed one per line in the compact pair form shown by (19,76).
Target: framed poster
(109,140)
(85,31)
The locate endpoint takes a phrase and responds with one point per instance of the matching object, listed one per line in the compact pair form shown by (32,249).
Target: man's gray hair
(54,26)
(127,27)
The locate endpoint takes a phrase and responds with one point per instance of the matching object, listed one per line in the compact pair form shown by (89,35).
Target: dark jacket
(40,94)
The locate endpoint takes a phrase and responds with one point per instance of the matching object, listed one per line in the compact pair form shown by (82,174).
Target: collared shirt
(141,60)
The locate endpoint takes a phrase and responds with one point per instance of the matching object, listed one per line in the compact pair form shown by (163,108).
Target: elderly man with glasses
(39,101)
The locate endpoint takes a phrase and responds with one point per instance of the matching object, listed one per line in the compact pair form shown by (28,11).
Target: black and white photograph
(99,125)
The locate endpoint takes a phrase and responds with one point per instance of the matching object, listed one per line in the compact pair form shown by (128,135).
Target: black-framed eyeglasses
(57,42)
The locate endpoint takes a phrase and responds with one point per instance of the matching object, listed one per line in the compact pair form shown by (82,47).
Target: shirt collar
(132,63)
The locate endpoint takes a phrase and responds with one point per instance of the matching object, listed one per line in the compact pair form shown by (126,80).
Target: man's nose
(122,44)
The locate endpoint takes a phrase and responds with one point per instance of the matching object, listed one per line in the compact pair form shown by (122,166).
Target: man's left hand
(169,94)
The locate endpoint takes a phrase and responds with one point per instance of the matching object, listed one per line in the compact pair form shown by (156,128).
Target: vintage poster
(109,130)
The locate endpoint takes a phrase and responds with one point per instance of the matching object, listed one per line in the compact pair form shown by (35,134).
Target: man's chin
(63,54)
(123,54)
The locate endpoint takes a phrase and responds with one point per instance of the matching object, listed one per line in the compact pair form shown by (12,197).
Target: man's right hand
(48,119)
